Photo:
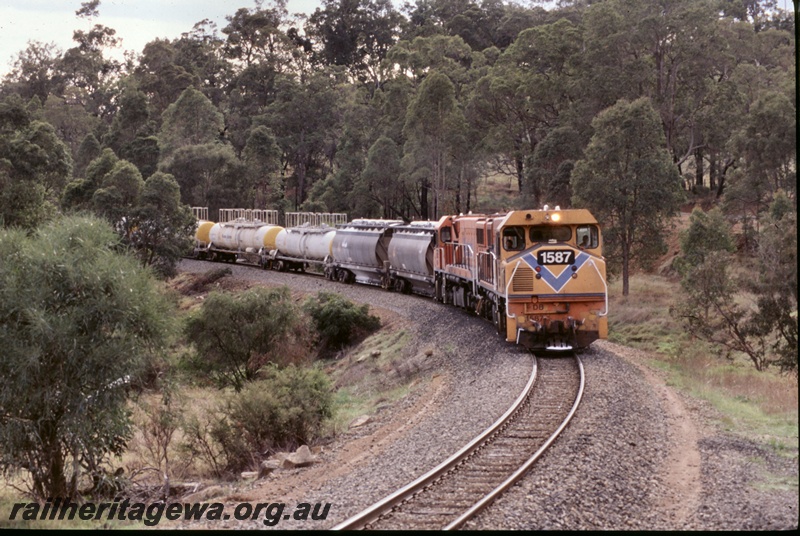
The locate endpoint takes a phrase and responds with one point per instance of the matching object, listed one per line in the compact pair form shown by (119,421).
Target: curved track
(462,486)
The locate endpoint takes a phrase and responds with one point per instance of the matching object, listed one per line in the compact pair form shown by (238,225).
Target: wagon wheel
(399,285)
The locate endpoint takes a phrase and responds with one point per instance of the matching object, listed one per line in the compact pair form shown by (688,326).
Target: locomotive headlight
(556,216)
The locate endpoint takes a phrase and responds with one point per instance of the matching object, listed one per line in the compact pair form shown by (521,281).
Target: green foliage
(119,192)
(707,232)
(159,228)
(433,129)
(79,322)
(235,336)
(191,120)
(628,180)
(286,409)
(261,157)
(375,195)
(209,175)
(776,283)
(78,193)
(34,166)
(338,321)
(764,327)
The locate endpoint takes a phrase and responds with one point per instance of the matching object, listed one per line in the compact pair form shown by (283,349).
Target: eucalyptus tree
(119,192)
(761,324)
(191,120)
(34,72)
(78,193)
(379,188)
(261,159)
(448,55)
(260,51)
(34,166)
(434,125)
(159,77)
(627,179)
(306,119)
(80,323)
(71,123)
(210,175)
(484,24)
(87,71)
(524,96)
(355,34)
(159,228)
(766,148)
(133,131)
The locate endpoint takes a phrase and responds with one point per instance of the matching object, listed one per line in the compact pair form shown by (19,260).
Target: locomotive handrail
(473,267)
(508,285)
(492,264)
(605,286)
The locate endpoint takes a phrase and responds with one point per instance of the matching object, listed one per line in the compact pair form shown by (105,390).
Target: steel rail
(524,468)
(376,510)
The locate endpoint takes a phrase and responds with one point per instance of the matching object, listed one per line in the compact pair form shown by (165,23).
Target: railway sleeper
(480,475)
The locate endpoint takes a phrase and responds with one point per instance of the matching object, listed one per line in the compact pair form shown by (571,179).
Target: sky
(137,22)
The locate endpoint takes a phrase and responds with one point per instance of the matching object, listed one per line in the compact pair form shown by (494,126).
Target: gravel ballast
(607,471)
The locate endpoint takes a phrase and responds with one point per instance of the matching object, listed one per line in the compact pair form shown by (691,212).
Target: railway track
(463,485)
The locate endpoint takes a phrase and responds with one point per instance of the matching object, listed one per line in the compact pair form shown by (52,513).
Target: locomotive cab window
(550,233)
(513,238)
(587,236)
(444,234)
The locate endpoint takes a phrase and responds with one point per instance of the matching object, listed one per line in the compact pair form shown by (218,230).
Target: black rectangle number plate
(556,256)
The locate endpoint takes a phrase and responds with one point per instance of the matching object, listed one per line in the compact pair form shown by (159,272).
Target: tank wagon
(538,275)
(297,247)
(239,239)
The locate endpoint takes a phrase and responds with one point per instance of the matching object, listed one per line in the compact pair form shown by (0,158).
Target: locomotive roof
(530,217)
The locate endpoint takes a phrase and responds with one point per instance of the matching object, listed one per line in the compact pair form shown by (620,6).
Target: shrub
(285,410)
(236,335)
(338,321)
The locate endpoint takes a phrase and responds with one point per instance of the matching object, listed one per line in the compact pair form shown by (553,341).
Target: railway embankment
(638,454)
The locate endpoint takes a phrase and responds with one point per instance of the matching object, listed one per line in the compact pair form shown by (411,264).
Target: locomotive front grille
(523,280)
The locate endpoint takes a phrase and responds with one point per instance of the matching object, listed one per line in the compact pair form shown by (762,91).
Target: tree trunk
(712,170)
(625,267)
(53,481)
(698,167)
(301,185)
(423,200)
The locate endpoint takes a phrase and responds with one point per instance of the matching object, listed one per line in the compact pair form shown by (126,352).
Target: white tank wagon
(297,247)
(201,238)
(230,241)
(411,257)
(361,252)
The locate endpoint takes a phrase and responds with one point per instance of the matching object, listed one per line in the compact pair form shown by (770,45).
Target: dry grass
(760,404)
(496,193)
(772,393)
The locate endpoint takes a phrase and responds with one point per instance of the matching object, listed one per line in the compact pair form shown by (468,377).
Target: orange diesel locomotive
(538,275)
